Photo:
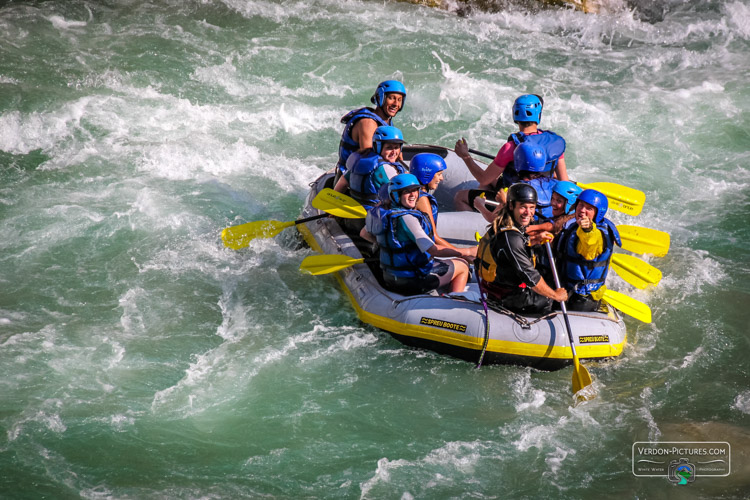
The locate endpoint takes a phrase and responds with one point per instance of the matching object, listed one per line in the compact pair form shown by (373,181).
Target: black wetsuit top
(515,260)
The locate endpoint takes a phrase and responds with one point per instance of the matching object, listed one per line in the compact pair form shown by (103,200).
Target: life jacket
(497,276)
(399,255)
(543,187)
(348,145)
(433,204)
(553,145)
(367,176)
(581,275)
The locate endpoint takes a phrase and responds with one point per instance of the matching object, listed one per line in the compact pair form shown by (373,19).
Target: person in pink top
(499,174)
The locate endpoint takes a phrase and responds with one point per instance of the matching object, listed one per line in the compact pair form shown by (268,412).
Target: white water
(142,359)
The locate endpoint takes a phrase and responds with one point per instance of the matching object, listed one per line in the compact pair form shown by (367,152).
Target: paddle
(622,198)
(581,376)
(328,200)
(638,273)
(644,240)
(326,264)
(627,305)
(339,204)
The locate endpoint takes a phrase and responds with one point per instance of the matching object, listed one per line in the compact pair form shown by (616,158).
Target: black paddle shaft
(562,303)
(309,219)
(479,153)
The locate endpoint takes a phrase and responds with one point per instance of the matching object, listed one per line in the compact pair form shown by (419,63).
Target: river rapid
(140,358)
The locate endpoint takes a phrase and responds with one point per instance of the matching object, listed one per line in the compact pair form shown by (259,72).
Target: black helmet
(522,193)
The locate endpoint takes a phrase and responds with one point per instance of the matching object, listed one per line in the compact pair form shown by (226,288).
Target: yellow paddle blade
(338,204)
(638,273)
(581,377)
(621,198)
(237,237)
(326,264)
(628,305)
(644,240)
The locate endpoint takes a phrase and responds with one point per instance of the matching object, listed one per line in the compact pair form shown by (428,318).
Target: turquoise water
(139,358)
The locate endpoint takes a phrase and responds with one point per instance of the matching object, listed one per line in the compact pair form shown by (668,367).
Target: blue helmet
(530,157)
(569,191)
(399,183)
(386,133)
(528,108)
(596,200)
(387,87)
(424,166)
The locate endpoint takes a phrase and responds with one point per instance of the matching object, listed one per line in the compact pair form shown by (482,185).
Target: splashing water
(142,359)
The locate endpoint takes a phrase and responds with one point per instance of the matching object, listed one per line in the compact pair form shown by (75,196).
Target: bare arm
(484,176)
(363,131)
(542,288)
(438,250)
(342,185)
(423,205)
(366,235)
(561,171)
(480,205)
(538,228)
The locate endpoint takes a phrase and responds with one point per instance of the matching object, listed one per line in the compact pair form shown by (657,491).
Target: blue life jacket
(367,176)
(433,204)
(399,254)
(585,276)
(543,187)
(553,145)
(348,145)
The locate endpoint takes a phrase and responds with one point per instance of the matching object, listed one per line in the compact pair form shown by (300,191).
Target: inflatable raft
(456,325)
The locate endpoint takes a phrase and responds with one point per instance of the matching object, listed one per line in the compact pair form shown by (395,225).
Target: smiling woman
(407,247)
(142,358)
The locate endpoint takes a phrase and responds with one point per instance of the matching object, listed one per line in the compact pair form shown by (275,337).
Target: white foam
(212,378)
(692,357)
(457,455)
(742,402)
(526,395)
(647,396)
(343,342)
(382,475)
(738,17)
(47,415)
(131,319)
(61,23)
(555,460)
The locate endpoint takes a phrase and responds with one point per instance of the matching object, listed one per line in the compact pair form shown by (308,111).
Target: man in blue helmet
(584,250)
(404,236)
(500,173)
(389,98)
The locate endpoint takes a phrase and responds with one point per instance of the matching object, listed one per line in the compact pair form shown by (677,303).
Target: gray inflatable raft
(456,325)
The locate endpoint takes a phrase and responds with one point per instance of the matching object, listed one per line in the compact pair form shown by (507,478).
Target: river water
(139,358)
